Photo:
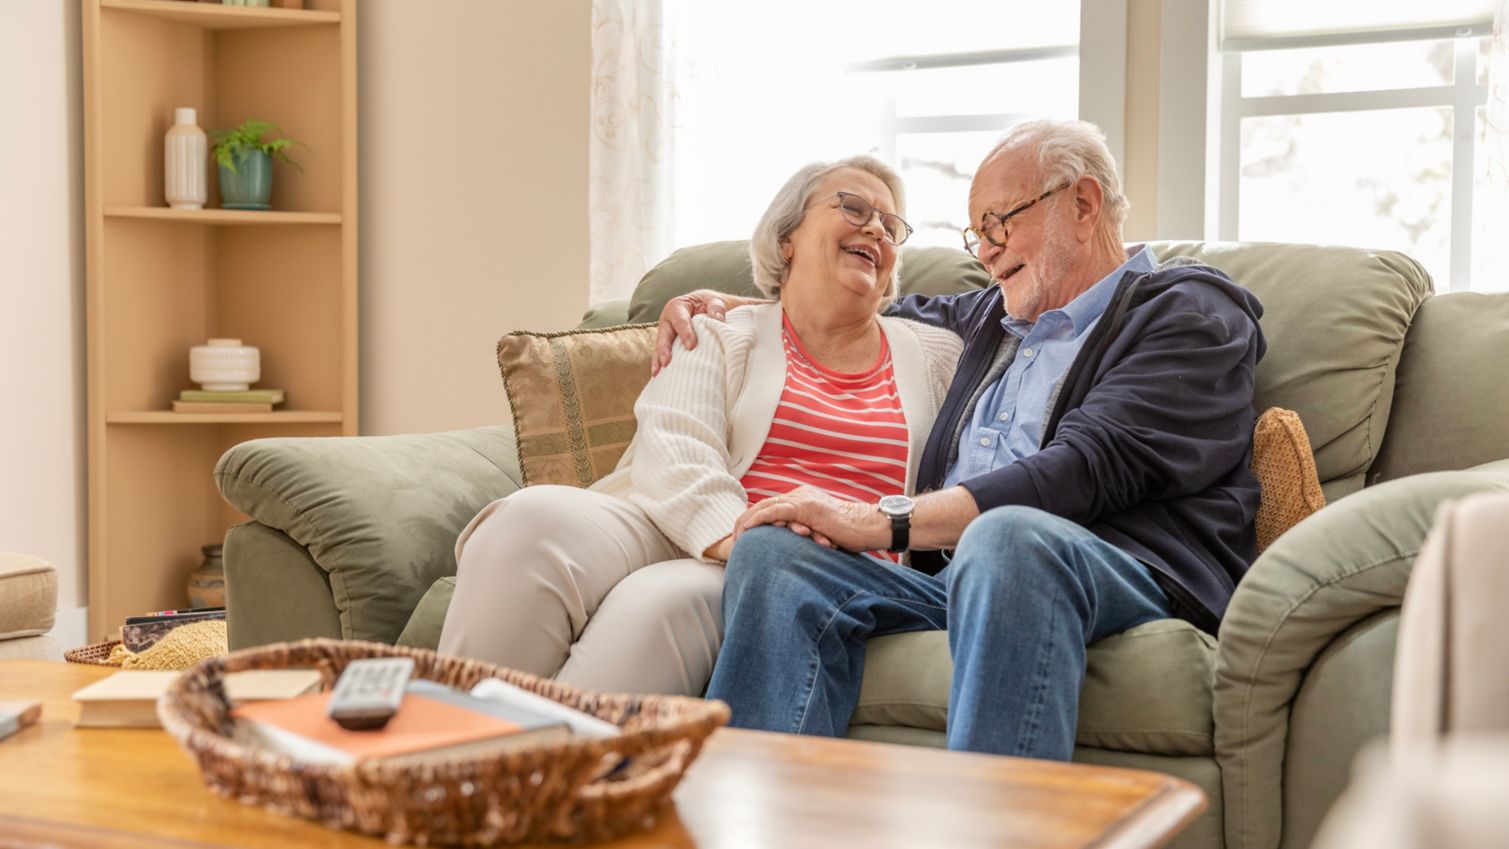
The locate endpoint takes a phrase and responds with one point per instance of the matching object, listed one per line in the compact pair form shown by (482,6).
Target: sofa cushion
(423,630)
(1146,690)
(724,267)
(1335,321)
(1285,469)
(572,396)
(1450,406)
(28,595)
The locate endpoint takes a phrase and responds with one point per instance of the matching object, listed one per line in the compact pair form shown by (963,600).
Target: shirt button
(1005,417)
(1027,352)
(985,441)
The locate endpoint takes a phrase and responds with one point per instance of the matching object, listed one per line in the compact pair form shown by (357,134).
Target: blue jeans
(1025,593)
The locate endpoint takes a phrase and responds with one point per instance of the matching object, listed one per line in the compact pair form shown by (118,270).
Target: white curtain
(629,193)
(1490,268)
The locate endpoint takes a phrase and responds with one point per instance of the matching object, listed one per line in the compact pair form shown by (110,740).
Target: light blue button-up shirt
(1008,420)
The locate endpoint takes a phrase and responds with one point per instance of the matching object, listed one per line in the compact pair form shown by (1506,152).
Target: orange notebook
(423,727)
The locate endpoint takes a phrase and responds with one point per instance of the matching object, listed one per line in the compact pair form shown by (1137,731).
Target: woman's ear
(786,250)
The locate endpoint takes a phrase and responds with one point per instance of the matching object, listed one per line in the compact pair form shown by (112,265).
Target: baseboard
(71,628)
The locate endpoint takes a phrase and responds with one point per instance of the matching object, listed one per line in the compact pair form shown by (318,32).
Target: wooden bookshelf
(162,280)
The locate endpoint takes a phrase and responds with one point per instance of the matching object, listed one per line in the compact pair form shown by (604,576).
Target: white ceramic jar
(225,365)
(185,162)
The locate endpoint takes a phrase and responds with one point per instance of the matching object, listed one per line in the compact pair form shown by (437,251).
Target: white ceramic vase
(185,161)
(225,365)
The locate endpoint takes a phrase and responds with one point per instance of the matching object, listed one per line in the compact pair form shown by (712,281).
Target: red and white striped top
(842,433)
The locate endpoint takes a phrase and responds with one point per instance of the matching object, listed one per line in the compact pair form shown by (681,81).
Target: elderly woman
(618,587)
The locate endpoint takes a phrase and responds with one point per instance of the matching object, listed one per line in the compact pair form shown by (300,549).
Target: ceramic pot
(225,365)
(250,185)
(207,583)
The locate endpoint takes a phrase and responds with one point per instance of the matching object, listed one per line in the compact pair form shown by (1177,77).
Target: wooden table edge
(27,833)
(1158,819)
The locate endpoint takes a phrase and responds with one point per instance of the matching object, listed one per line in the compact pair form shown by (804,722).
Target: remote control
(369,692)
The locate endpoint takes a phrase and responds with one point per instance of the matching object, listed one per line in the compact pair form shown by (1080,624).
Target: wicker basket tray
(587,789)
(97,654)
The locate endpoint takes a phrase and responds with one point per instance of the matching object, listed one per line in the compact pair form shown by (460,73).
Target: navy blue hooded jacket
(1149,441)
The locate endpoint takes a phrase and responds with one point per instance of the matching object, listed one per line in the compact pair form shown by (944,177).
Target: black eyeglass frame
(906,232)
(1002,218)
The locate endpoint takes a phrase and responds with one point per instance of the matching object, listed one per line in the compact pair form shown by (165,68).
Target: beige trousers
(573,584)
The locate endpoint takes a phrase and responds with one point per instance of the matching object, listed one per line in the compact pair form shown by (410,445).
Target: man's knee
(1012,545)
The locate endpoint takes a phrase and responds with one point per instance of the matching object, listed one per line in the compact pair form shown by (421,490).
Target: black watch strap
(901,533)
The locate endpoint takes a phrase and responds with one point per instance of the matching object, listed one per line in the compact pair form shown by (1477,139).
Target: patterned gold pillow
(1285,468)
(572,395)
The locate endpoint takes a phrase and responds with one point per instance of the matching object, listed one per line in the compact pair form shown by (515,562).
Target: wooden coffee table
(120,788)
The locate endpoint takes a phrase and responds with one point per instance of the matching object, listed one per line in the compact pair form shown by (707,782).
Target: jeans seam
(817,641)
(1033,719)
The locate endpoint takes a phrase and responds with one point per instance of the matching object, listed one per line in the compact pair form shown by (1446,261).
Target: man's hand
(850,525)
(676,321)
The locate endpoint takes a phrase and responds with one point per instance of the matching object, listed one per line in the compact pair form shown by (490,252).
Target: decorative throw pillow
(1285,469)
(572,395)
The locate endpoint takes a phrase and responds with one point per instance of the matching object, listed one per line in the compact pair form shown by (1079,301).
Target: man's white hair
(789,206)
(1066,151)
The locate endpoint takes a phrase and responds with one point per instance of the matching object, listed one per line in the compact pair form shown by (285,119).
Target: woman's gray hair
(789,206)
(1066,151)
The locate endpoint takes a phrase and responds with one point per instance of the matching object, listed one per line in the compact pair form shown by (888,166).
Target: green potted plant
(245,156)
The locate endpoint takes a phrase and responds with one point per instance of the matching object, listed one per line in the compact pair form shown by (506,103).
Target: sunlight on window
(1376,179)
(762,88)
(1358,67)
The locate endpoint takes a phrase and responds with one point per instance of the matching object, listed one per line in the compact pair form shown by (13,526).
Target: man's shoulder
(1184,284)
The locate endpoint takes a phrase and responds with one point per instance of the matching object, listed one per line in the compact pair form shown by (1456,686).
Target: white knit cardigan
(704,418)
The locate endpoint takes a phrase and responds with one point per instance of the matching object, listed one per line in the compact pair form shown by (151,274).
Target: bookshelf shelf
(222,216)
(167,417)
(214,17)
(162,280)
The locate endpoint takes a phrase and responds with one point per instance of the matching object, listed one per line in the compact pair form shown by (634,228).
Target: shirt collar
(1087,307)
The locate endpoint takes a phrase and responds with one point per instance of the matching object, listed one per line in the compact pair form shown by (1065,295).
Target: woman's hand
(720,550)
(676,321)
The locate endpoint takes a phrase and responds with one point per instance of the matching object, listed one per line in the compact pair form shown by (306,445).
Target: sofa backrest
(1335,320)
(1451,399)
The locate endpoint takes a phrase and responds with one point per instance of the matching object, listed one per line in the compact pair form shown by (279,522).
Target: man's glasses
(858,211)
(993,225)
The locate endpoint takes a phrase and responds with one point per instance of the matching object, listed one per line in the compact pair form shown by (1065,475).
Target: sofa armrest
(380,514)
(1341,565)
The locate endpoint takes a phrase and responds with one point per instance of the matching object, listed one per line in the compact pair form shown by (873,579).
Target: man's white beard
(1048,270)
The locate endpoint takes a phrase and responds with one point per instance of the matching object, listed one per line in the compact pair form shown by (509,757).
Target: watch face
(896,505)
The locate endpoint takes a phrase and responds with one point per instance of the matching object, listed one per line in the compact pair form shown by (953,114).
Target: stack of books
(245,401)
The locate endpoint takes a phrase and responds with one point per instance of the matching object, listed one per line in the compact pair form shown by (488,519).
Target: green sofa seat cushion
(1147,690)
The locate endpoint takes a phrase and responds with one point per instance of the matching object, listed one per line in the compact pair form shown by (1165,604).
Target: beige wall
(473,197)
(42,289)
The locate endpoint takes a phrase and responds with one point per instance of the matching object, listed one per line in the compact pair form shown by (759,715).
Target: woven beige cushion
(28,595)
(573,397)
(1285,469)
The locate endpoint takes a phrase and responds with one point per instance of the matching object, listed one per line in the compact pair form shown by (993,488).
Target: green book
(252,396)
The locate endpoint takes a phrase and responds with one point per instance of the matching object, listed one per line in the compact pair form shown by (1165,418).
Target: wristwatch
(899,508)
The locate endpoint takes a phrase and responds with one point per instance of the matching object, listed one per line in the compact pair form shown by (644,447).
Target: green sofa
(1400,392)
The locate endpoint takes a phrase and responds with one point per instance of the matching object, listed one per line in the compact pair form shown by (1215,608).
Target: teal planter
(251,184)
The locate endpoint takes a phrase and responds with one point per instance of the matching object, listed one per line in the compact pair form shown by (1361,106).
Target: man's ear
(1089,200)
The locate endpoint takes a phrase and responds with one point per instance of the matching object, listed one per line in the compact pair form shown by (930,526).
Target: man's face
(1034,266)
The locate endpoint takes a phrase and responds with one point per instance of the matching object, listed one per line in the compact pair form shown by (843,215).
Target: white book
(581,724)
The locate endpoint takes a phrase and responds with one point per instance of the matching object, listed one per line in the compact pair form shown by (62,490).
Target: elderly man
(1087,473)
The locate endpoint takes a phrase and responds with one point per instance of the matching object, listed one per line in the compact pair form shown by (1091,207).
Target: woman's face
(826,248)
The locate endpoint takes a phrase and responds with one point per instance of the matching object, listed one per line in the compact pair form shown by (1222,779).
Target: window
(763,88)
(1368,142)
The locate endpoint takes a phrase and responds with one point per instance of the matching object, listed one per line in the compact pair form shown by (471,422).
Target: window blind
(1268,24)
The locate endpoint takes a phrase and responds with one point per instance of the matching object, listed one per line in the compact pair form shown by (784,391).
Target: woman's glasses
(858,211)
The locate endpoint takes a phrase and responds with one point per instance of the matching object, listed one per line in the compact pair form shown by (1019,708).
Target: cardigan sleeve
(680,473)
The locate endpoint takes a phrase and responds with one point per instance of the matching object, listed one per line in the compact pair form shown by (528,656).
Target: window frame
(1463,95)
